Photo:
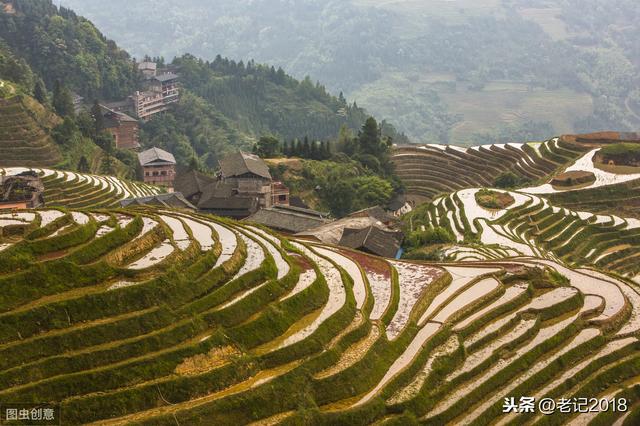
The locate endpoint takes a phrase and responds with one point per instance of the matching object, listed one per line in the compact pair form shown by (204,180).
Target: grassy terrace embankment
(432,170)
(78,190)
(157,316)
(24,133)
(534,227)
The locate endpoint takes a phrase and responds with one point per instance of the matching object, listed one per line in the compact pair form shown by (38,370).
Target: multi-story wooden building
(159,90)
(241,188)
(168,83)
(159,167)
(250,176)
(124,129)
(279,194)
(148,69)
(162,90)
(147,104)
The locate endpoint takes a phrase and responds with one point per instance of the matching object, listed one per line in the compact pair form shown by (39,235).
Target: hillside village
(161,90)
(144,282)
(242,186)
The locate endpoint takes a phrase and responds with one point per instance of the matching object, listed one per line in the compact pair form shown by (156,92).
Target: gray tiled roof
(397,202)
(113,117)
(221,197)
(156,155)
(192,183)
(375,212)
(241,163)
(373,240)
(306,211)
(218,189)
(166,77)
(288,220)
(236,207)
(173,199)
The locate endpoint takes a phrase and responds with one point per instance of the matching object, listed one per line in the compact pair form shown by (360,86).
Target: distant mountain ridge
(458,71)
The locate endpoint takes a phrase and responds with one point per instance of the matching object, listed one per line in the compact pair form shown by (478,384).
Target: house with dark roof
(159,167)
(375,212)
(216,196)
(172,200)
(250,176)
(373,240)
(399,205)
(123,105)
(124,129)
(222,199)
(289,219)
(242,186)
(22,191)
(242,165)
(192,185)
(168,85)
(161,90)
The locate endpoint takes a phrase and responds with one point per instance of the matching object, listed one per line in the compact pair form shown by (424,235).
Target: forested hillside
(41,129)
(59,45)
(51,52)
(458,71)
(228,105)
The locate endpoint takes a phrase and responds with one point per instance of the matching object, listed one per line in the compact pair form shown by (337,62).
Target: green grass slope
(25,139)
(162,317)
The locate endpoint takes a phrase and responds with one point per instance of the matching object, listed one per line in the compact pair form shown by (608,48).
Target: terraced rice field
(533,227)
(25,138)
(433,170)
(595,225)
(77,190)
(155,317)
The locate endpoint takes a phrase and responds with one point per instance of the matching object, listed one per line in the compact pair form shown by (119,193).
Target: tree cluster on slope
(61,46)
(263,99)
(355,173)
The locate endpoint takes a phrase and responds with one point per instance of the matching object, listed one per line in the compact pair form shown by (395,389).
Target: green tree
(507,180)
(314,152)
(339,197)
(195,164)
(295,148)
(40,92)
(370,191)
(108,165)
(105,141)
(83,165)
(306,148)
(65,131)
(62,100)
(369,138)
(346,142)
(268,147)
(86,124)
(98,119)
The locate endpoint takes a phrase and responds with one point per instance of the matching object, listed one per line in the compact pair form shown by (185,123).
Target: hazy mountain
(448,70)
